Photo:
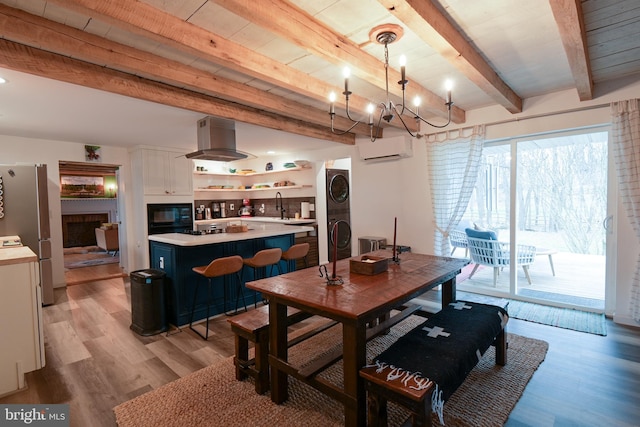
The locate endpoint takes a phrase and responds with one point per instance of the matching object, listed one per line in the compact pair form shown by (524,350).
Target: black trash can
(148,315)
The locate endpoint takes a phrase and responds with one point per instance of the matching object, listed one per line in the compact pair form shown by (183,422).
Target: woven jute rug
(213,397)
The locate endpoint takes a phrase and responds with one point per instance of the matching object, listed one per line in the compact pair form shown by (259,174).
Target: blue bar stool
(217,268)
(262,259)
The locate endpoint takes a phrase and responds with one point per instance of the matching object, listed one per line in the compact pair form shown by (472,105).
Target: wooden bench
(253,326)
(423,368)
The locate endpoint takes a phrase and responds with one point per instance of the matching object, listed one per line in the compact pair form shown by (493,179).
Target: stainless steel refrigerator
(24,211)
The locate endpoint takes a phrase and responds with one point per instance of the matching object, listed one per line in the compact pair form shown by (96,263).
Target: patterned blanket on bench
(445,348)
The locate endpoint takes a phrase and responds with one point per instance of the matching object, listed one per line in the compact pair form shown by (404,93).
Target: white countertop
(15,254)
(256,231)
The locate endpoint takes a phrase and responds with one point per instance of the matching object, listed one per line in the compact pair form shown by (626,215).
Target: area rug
(562,298)
(567,318)
(108,259)
(213,397)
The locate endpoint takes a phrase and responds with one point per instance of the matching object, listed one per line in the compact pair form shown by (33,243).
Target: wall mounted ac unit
(385,149)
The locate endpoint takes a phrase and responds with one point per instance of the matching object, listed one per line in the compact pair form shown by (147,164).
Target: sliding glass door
(546,200)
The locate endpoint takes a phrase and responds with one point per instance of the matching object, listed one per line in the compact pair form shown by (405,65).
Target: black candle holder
(331,280)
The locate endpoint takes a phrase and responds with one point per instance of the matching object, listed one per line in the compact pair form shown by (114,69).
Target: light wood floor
(95,362)
(77,276)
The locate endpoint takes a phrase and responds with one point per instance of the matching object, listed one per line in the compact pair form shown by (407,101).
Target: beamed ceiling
(272,63)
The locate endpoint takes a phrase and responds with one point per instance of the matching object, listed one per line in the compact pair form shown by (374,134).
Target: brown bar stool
(263,259)
(296,252)
(217,268)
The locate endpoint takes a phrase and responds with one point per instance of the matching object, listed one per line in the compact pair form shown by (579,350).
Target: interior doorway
(546,195)
(90,225)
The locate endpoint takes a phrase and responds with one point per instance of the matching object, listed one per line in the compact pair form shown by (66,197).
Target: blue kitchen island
(176,254)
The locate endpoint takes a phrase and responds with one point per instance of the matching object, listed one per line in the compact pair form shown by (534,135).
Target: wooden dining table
(362,304)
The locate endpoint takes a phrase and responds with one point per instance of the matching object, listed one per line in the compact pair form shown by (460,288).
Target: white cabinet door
(20,328)
(166,173)
(181,175)
(156,171)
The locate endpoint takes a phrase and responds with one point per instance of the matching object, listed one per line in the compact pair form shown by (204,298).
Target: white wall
(25,150)
(385,190)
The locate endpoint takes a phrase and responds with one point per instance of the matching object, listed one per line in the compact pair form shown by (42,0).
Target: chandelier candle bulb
(448,86)
(416,104)
(403,62)
(346,72)
(332,100)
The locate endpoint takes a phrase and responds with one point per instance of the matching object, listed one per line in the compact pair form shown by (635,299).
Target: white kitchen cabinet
(166,173)
(20,317)
(158,175)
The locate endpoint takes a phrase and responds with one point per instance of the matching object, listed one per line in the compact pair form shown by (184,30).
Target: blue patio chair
(485,249)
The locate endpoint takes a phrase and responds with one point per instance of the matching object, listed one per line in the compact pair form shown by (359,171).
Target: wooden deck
(579,280)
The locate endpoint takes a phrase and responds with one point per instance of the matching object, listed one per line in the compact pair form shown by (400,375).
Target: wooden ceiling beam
(570,20)
(143,19)
(38,62)
(297,26)
(424,18)
(24,28)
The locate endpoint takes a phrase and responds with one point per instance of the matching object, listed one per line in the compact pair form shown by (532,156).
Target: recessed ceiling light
(271,152)
(2,80)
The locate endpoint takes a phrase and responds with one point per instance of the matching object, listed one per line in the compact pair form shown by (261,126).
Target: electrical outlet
(162,262)
(232,206)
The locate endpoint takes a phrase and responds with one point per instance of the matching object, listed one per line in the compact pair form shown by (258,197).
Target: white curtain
(453,163)
(625,135)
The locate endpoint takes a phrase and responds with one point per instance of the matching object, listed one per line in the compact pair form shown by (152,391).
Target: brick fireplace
(79,229)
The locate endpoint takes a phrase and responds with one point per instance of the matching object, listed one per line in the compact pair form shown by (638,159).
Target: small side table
(549,253)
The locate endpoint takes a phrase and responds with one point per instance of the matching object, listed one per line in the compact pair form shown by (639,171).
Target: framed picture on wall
(92,153)
(73,186)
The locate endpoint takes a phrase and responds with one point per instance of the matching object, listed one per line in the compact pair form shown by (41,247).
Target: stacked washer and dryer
(338,213)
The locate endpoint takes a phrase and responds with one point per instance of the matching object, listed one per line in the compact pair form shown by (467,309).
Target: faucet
(279,205)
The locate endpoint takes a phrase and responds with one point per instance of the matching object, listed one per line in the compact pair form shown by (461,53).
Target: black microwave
(169,218)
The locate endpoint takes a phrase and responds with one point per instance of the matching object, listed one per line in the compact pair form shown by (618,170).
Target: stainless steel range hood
(217,141)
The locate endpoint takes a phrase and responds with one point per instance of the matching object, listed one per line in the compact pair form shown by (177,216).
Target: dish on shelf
(246,171)
(215,187)
(302,163)
(289,165)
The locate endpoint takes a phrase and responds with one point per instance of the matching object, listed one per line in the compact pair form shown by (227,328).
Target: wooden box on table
(369,265)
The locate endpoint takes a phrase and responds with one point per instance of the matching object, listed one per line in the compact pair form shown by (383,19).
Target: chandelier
(385,35)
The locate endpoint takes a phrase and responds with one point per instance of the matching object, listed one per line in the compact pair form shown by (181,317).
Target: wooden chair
(217,268)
